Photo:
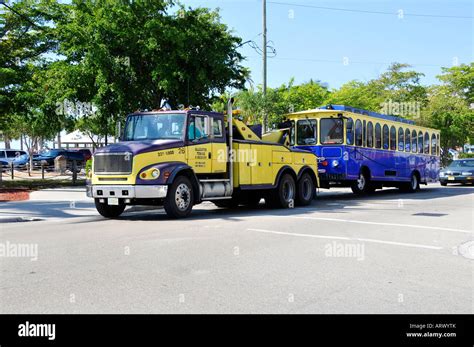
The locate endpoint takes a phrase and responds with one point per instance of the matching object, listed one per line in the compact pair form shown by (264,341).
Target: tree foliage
(124,56)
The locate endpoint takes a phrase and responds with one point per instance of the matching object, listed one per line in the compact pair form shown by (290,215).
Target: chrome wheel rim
(361,182)
(183,197)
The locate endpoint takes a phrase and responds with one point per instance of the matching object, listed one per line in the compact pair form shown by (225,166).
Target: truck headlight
(155,173)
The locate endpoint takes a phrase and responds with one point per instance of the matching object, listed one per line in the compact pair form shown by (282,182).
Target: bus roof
(332,108)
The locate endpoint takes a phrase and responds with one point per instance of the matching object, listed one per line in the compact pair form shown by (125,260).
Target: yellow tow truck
(178,159)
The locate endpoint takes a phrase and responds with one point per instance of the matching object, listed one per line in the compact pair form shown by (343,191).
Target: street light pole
(264,49)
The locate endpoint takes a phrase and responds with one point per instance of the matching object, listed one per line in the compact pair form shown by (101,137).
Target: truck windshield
(155,127)
(331,131)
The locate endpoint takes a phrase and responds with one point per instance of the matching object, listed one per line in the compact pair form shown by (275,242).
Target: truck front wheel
(179,200)
(109,211)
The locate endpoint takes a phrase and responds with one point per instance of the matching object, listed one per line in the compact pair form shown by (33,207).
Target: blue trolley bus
(366,150)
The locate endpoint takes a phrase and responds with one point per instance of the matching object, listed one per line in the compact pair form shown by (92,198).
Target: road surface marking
(415,245)
(379,223)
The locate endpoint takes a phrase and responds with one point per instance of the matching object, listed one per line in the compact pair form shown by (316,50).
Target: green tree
(280,101)
(129,55)
(449,108)
(397,84)
(27,38)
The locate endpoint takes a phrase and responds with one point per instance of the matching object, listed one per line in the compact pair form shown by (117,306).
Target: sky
(338,46)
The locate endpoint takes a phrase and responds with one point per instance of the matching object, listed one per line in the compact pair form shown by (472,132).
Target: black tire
(305,190)
(179,200)
(362,186)
(109,211)
(285,193)
(444,184)
(411,186)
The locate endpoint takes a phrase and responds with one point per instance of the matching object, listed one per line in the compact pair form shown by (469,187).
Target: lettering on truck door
(199,144)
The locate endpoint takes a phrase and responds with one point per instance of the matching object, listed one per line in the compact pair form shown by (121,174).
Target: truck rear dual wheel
(179,199)
(285,193)
(108,211)
(305,190)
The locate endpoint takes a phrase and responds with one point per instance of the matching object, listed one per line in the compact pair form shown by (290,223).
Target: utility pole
(264,49)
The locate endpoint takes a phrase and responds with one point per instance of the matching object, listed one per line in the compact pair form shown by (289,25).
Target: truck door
(218,147)
(199,144)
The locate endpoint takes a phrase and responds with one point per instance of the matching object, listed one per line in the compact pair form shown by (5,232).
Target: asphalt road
(386,253)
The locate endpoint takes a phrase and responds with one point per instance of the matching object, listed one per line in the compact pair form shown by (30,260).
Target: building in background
(77,139)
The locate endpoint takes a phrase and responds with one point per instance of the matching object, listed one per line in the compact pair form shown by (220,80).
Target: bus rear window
(331,131)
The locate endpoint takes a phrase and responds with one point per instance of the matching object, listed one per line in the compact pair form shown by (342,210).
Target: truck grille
(113,163)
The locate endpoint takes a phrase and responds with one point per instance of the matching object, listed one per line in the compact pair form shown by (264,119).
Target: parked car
(47,158)
(86,152)
(18,157)
(459,171)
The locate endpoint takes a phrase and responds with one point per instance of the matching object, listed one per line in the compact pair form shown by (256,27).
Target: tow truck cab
(177,159)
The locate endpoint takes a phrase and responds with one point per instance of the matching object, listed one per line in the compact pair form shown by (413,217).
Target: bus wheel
(362,185)
(284,194)
(108,211)
(411,186)
(179,200)
(305,190)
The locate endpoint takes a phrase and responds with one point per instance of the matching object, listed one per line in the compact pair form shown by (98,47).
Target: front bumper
(127,191)
(456,179)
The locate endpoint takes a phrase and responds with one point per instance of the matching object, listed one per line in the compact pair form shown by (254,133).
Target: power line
(370,12)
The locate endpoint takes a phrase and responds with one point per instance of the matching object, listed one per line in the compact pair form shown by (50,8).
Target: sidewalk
(46,204)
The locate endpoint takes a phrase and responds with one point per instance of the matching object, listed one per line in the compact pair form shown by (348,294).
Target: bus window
(393,138)
(420,142)
(437,144)
(350,131)
(426,148)
(331,131)
(378,136)
(433,144)
(407,140)
(401,139)
(370,135)
(306,132)
(385,137)
(413,141)
(358,133)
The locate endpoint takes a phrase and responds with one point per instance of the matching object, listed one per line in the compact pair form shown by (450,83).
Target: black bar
(323,330)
